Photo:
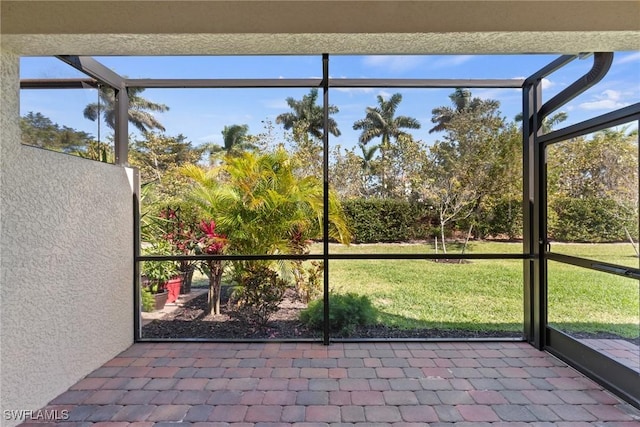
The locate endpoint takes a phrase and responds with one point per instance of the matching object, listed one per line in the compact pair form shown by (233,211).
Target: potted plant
(161,278)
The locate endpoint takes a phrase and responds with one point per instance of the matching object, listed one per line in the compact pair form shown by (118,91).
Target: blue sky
(201,114)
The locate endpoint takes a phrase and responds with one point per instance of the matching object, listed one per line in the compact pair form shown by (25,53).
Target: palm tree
(307,116)
(367,162)
(140,109)
(234,140)
(462,102)
(380,122)
(549,122)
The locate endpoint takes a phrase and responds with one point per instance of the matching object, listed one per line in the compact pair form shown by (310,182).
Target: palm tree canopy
(380,121)
(549,122)
(308,114)
(140,109)
(462,102)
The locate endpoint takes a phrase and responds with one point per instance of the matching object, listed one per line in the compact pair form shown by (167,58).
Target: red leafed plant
(211,243)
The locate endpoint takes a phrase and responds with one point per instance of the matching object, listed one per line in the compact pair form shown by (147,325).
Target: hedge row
(592,220)
(381,220)
(570,220)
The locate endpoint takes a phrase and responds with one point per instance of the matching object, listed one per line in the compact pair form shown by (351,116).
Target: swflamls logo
(39,415)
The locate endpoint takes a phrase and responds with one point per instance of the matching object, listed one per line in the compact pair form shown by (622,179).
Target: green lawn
(488,294)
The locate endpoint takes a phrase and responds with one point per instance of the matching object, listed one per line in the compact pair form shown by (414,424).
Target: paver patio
(344,384)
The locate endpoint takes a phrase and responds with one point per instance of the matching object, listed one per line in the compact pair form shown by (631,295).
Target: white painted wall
(66,263)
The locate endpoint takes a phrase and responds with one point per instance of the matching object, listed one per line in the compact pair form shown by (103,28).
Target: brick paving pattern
(345,384)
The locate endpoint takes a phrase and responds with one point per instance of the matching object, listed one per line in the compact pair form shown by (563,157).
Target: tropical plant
(549,122)
(264,207)
(140,109)
(308,116)
(235,138)
(381,122)
(261,204)
(462,103)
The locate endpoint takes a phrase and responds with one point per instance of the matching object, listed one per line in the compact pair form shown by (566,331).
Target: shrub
(384,220)
(590,219)
(260,293)
(148,301)
(346,312)
(503,217)
(308,281)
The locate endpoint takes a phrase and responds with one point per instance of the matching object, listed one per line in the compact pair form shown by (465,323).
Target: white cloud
(546,83)
(395,63)
(632,57)
(607,100)
(451,61)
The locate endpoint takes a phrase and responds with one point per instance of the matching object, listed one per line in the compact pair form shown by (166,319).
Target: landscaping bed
(190,321)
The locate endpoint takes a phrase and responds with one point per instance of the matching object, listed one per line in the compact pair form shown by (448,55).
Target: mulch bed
(190,321)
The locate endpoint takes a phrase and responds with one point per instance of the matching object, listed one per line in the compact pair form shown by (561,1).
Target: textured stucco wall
(66,262)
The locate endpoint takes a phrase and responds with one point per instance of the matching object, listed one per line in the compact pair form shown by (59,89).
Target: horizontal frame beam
(338,83)
(397,256)
(428,83)
(222,83)
(605,121)
(604,267)
(86,83)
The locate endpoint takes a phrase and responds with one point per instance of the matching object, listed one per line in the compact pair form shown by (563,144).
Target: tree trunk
(635,248)
(444,246)
(215,276)
(464,247)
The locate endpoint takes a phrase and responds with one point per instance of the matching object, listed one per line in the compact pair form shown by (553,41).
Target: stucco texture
(66,257)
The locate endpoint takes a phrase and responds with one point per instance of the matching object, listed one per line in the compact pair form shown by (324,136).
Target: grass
(487,295)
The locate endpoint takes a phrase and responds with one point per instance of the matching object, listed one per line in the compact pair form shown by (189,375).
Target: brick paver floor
(344,384)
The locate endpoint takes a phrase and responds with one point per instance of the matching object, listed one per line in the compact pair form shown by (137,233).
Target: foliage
(308,116)
(474,160)
(503,217)
(39,131)
(147,300)
(387,220)
(158,155)
(209,242)
(590,219)
(140,109)
(260,293)
(235,139)
(262,205)
(158,272)
(381,122)
(346,312)
(463,103)
(308,279)
(593,186)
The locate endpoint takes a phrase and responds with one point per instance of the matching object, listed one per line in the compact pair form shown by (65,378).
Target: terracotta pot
(161,299)
(173,287)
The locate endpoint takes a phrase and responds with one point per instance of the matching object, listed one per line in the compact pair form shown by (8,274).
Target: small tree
(209,242)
